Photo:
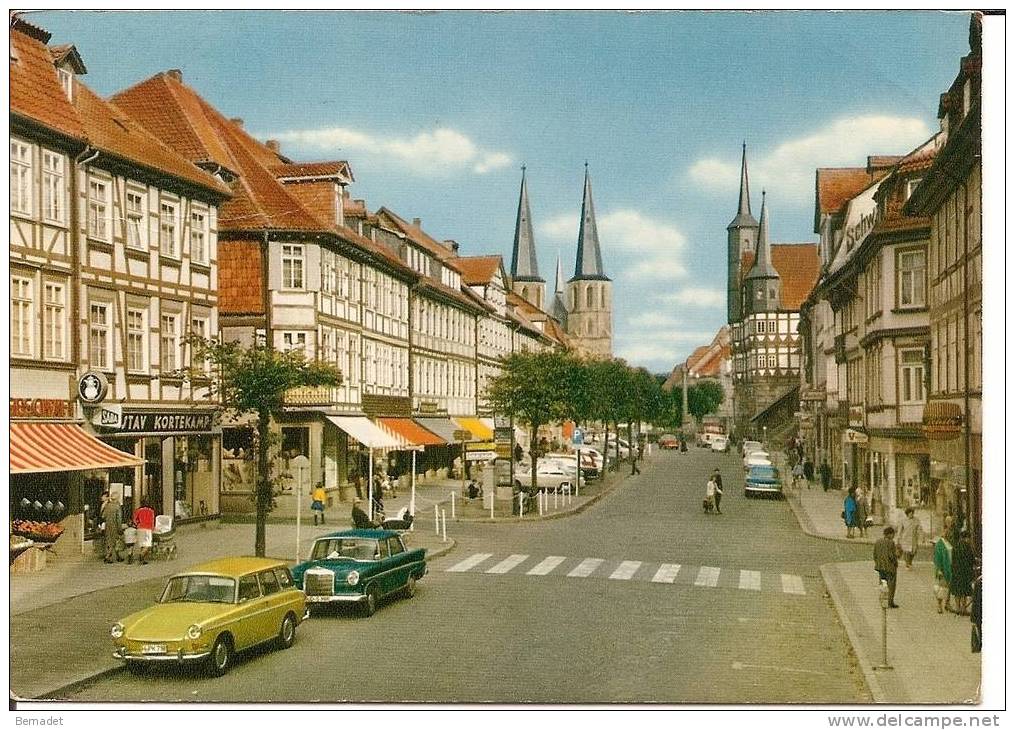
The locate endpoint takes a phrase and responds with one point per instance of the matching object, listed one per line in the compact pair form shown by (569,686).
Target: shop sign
(109,416)
(480,455)
(42,408)
(427,406)
(462,435)
(166,422)
(855,437)
(501,421)
(856,415)
(92,387)
(812,395)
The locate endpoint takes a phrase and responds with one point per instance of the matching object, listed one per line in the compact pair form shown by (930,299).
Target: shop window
(295,441)
(195,492)
(238,459)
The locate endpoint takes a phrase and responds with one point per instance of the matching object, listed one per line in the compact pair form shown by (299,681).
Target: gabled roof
(798,266)
(35,90)
(418,236)
(328,170)
(478,270)
(68,53)
(834,187)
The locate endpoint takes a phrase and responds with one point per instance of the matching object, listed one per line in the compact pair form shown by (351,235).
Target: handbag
(843,514)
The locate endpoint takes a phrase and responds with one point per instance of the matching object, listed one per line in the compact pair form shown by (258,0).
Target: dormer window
(911,185)
(67,82)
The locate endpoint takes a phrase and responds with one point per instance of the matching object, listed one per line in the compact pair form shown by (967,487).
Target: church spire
(524,265)
(589,262)
(558,284)
(763,268)
(744,218)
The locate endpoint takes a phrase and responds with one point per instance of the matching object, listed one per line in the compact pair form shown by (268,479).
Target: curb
(808,528)
(866,665)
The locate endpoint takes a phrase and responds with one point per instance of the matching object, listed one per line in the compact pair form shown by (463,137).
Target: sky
(436,113)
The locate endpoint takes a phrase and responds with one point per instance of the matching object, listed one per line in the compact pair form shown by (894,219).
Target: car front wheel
(287,633)
(221,659)
(410,587)
(372,599)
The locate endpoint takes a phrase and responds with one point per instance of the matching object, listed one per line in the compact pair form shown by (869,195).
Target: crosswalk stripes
(704,576)
(508,564)
(585,568)
(792,584)
(547,565)
(626,570)
(707,576)
(469,563)
(667,573)
(750,580)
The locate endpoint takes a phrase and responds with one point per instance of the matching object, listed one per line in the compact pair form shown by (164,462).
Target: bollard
(444,526)
(521,504)
(555,499)
(541,497)
(436,520)
(452,506)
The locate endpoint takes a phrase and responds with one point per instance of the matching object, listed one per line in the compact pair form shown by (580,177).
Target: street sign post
(300,465)
(578,440)
(462,435)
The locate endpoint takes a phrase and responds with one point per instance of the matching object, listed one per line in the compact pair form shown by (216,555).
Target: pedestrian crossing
(700,576)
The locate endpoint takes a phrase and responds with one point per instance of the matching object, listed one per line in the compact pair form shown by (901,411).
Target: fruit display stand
(30,544)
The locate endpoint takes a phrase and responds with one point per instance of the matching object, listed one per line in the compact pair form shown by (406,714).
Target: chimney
(417,222)
(237,121)
(452,246)
(176,74)
(273,145)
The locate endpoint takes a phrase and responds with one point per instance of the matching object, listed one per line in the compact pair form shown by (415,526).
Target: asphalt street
(641,598)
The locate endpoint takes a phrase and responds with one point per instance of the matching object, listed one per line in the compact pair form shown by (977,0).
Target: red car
(669,441)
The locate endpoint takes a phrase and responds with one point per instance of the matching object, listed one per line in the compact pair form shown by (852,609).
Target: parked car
(720,444)
(763,479)
(610,448)
(361,567)
(548,477)
(212,611)
(748,446)
(757,458)
(669,441)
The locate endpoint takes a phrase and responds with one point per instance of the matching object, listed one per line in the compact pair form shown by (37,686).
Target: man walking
(826,474)
(113,530)
(808,471)
(717,478)
(886,562)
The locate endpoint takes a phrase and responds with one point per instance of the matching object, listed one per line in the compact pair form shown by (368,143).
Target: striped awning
(53,447)
(367,433)
(479,430)
(412,432)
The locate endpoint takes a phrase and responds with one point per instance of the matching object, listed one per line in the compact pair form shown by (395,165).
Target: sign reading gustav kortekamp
(165,422)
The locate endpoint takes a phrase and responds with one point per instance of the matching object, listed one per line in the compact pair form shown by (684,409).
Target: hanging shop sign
(109,416)
(92,387)
(855,437)
(42,408)
(856,415)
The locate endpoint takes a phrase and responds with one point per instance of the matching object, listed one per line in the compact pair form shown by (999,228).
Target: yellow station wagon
(212,611)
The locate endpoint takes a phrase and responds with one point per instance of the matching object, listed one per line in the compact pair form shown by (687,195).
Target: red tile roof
(354,208)
(240,277)
(477,270)
(35,90)
(798,266)
(418,236)
(334,168)
(834,186)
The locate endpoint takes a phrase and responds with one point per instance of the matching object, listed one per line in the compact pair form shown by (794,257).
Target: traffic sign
(578,437)
(462,435)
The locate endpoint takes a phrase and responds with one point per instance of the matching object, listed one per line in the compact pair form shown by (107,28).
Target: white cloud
(648,248)
(696,296)
(442,150)
(787,171)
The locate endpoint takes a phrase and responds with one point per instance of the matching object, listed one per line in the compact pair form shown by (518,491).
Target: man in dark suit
(359,518)
(886,562)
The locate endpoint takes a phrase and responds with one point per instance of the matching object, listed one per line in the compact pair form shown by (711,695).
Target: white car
(611,448)
(749,446)
(720,443)
(548,477)
(757,458)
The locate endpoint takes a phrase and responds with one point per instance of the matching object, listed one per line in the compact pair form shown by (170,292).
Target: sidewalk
(930,652)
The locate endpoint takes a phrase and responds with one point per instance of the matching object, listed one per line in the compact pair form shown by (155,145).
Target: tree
(538,388)
(255,379)
(704,398)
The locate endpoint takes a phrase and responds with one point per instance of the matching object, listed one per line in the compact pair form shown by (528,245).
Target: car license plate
(317,599)
(153,648)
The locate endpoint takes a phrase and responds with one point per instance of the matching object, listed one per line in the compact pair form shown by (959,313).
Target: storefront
(181,450)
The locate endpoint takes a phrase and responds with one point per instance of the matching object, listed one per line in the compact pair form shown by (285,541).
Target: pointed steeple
(763,268)
(524,265)
(744,219)
(558,284)
(589,262)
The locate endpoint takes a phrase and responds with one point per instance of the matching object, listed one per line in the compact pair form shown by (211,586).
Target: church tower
(741,238)
(762,285)
(558,303)
(590,296)
(525,279)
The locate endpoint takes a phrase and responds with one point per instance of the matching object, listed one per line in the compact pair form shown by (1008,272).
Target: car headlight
(353,578)
(117,631)
(194,632)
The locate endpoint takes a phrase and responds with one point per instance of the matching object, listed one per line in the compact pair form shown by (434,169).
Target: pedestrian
(886,562)
(798,474)
(849,512)
(808,471)
(519,453)
(317,502)
(861,510)
(112,530)
(826,475)
(717,480)
(909,536)
(976,612)
(710,495)
(943,568)
(144,523)
(360,520)
(962,572)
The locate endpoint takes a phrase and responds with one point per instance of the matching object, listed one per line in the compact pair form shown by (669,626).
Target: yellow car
(212,611)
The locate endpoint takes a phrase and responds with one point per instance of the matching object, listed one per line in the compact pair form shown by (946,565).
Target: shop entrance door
(151,489)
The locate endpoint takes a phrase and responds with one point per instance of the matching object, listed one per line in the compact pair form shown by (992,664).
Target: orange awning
(412,432)
(52,447)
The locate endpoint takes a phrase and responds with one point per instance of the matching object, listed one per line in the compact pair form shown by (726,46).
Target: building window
(54,322)
(588,297)
(52,186)
(295,341)
(170,343)
(98,209)
(21,177)
(199,328)
(912,278)
(99,337)
(67,82)
(911,185)
(137,337)
(911,376)
(761,362)
(759,327)
(772,361)
(168,243)
(292,267)
(199,237)
(771,326)
(136,229)
(22,322)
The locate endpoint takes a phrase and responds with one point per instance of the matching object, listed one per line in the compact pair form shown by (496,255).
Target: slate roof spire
(763,268)
(744,219)
(524,265)
(589,262)
(558,284)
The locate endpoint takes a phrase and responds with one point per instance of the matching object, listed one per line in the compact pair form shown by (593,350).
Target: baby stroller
(164,538)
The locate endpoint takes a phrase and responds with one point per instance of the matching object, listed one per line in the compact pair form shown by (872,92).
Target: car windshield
(199,589)
(348,548)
